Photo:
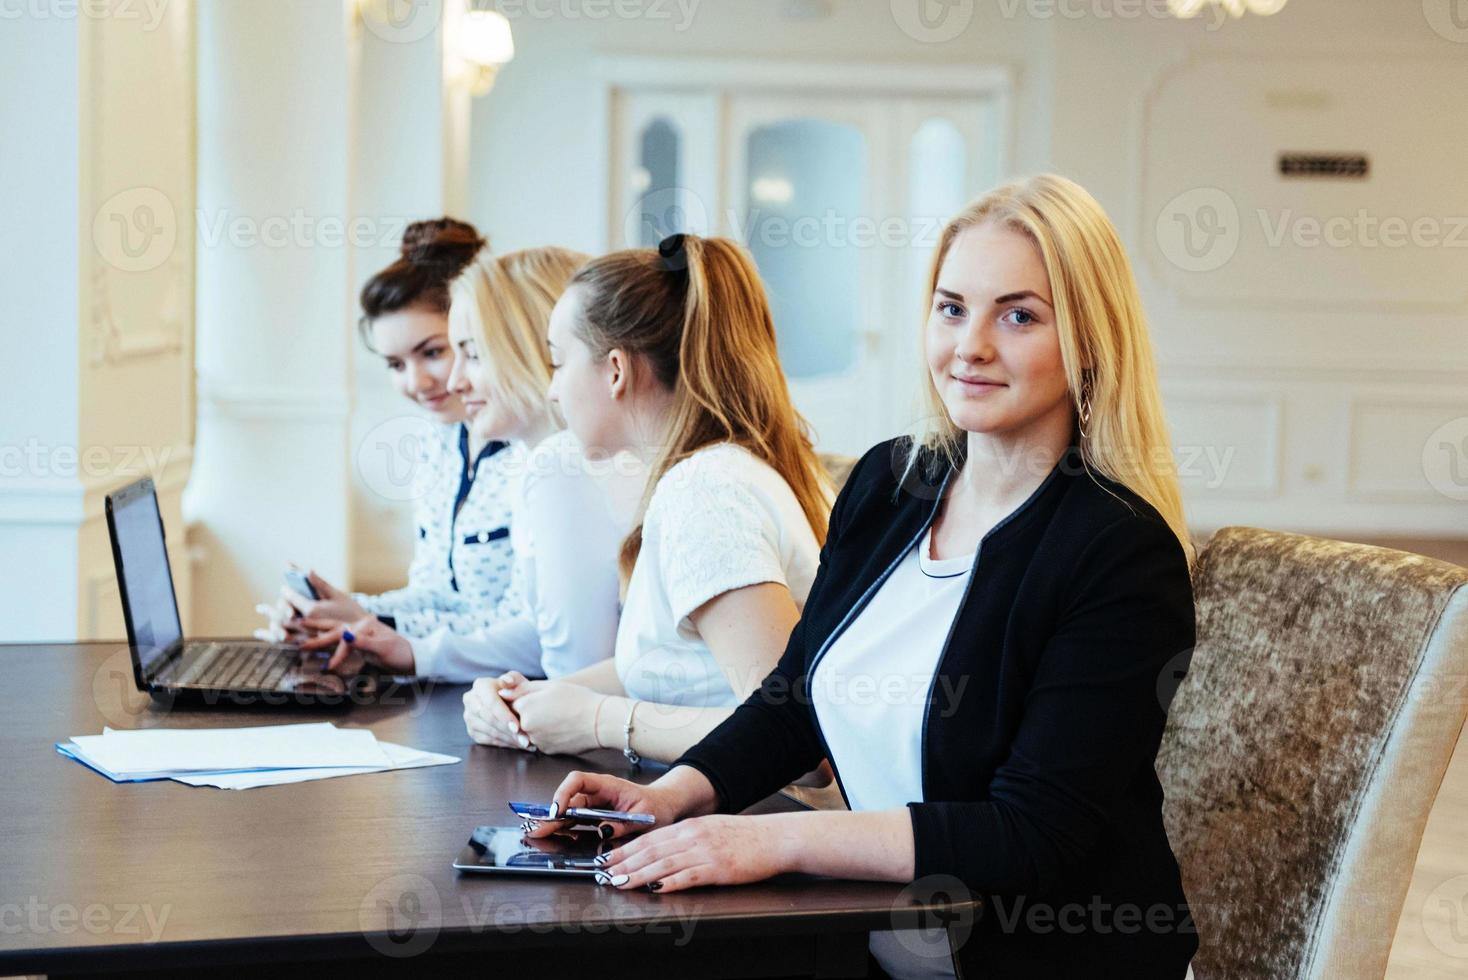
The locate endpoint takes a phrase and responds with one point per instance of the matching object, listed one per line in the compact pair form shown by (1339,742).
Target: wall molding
(1142,114)
(271,402)
(72,502)
(754,74)
(1364,490)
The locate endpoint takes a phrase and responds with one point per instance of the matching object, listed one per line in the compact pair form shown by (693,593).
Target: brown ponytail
(696,311)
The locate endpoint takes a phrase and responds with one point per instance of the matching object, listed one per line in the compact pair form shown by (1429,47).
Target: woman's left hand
(557,716)
(712,850)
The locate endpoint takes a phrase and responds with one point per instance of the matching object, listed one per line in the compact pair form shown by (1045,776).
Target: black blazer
(1042,725)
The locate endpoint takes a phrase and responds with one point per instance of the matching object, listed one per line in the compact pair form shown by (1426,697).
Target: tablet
(506,850)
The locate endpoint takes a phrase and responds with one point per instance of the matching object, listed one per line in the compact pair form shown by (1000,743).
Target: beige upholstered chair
(838,468)
(1305,748)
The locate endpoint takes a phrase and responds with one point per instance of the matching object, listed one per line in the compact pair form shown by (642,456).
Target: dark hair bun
(441,242)
(433,255)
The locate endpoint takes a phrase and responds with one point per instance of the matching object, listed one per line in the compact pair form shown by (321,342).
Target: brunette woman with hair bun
(461,566)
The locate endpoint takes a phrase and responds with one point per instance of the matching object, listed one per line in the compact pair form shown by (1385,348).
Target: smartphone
(298,580)
(541,811)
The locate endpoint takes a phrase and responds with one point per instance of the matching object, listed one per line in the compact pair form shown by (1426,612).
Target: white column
(275,304)
(412,134)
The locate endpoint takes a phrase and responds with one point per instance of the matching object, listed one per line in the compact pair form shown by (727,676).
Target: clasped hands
(513,712)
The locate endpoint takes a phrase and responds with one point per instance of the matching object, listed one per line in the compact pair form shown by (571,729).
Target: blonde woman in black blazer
(1014,579)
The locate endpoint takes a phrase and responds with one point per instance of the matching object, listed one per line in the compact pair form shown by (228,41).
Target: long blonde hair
(696,310)
(506,303)
(1104,343)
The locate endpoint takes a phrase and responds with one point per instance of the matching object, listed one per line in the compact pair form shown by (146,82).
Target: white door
(840,197)
(808,187)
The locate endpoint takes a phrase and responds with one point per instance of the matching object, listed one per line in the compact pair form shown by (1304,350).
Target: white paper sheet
(401,756)
(170,752)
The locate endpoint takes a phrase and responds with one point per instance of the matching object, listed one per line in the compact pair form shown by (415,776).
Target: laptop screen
(147,582)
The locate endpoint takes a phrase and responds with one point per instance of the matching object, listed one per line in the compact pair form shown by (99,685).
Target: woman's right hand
(683,792)
(488,719)
(284,623)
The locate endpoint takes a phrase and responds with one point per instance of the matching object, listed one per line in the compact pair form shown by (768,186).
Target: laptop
(164,662)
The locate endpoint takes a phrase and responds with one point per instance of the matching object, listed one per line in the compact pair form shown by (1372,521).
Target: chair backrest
(837,468)
(1306,745)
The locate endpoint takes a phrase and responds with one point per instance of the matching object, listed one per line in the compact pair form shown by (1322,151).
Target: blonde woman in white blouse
(670,354)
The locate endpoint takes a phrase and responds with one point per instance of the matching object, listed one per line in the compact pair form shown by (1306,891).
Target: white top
(720,520)
(870,692)
(569,517)
(460,576)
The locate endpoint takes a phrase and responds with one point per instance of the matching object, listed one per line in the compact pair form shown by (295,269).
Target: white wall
(1323,370)
(39,238)
(96,311)
(275,303)
(1315,377)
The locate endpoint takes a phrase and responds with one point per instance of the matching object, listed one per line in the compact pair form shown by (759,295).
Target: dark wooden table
(347,875)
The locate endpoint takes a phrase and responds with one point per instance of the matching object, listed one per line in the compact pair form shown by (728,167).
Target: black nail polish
(606,831)
(654,886)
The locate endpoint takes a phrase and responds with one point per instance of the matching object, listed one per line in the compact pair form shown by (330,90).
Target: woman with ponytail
(670,354)
(1010,586)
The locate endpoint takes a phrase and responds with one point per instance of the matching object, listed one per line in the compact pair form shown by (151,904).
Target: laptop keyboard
(238,666)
